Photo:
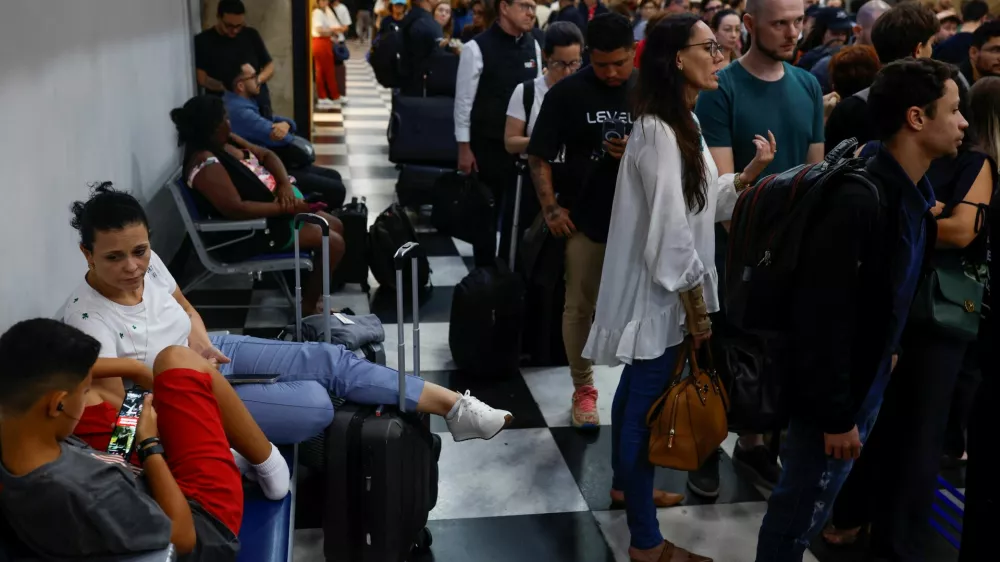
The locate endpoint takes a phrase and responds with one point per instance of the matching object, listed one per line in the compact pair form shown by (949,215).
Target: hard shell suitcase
(487,314)
(381,465)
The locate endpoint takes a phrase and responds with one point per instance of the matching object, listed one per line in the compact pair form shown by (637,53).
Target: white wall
(85,91)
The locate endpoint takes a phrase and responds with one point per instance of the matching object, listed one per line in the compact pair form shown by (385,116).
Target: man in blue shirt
(856,277)
(278,134)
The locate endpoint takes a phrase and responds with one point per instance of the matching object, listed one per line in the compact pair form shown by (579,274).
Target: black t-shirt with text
(572,124)
(214,52)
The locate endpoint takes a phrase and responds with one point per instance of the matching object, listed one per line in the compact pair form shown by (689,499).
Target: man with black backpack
(845,297)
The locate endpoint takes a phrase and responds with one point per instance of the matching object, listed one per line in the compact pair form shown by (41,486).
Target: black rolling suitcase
(381,466)
(422,131)
(353,267)
(487,314)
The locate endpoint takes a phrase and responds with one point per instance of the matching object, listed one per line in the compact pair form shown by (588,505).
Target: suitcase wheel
(424,541)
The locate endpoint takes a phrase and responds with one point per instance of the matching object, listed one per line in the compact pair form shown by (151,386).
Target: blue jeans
(809,484)
(641,384)
(298,405)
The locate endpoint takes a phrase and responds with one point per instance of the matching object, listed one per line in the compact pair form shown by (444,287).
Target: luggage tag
(343,319)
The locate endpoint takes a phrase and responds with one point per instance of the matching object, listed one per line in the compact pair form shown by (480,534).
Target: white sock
(454,409)
(273,476)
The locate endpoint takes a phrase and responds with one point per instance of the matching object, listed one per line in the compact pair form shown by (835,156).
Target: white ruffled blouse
(656,248)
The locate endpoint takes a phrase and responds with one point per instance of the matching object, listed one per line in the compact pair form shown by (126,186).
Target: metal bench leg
(283,285)
(201,278)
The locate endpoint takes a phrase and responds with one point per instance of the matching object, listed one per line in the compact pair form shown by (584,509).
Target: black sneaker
(759,464)
(705,480)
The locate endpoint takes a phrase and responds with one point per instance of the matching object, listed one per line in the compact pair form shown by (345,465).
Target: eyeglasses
(714,49)
(233,26)
(253,77)
(561,65)
(526,6)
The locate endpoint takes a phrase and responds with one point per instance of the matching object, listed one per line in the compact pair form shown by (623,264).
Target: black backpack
(391,230)
(765,235)
(385,55)
(768,225)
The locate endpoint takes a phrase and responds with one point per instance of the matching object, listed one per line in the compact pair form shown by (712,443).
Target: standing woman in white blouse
(659,281)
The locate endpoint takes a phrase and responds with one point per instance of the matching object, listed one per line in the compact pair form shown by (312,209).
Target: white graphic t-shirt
(133,332)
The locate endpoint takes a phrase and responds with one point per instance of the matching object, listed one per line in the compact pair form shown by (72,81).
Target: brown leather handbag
(688,422)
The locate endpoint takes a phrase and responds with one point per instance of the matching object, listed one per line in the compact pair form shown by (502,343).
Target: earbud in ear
(60,407)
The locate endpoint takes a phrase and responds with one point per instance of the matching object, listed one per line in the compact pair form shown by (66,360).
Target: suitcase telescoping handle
(411,251)
(325,227)
(521,168)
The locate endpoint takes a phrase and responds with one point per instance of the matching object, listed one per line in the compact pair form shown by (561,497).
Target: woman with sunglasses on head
(659,277)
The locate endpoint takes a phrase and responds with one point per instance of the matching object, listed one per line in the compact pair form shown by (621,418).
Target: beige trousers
(584,261)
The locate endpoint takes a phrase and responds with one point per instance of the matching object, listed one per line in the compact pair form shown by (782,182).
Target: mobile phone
(614,130)
(123,436)
(251,379)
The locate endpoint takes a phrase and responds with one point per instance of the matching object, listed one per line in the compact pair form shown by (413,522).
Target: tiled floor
(537,492)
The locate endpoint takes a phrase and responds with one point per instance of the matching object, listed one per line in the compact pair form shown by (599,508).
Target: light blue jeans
(298,406)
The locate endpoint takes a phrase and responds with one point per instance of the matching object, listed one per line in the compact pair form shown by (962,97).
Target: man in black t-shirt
(585,120)
(231,43)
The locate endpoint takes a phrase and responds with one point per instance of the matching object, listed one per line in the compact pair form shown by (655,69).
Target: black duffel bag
(463,207)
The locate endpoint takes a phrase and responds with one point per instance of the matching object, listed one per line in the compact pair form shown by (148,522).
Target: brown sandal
(840,537)
(660,499)
(674,553)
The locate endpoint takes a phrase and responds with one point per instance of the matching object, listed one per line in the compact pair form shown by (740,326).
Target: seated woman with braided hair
(234,179)
(130,303)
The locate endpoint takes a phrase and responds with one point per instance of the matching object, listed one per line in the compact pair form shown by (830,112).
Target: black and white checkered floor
(539,491)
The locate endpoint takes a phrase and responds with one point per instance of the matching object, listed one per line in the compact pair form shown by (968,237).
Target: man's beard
(773,54)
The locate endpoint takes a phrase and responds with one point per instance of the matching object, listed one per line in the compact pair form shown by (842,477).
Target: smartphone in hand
(123,437)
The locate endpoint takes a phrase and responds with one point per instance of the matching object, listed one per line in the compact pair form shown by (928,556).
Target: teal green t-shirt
(744,106)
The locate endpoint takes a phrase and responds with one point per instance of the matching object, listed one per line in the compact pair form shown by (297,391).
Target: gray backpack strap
(863,94)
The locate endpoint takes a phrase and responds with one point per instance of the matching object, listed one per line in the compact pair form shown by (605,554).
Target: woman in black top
(233,179)
(982,487)
(892,485)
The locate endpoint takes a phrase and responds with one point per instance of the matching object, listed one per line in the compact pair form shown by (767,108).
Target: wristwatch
(738,184)
(155,449)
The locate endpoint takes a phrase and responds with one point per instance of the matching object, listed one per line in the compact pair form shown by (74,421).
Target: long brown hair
(984,115)
(661,93)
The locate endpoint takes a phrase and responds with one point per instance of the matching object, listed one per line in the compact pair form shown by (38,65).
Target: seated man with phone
(65,499)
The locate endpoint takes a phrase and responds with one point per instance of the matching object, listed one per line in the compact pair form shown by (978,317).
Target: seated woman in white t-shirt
(130,303)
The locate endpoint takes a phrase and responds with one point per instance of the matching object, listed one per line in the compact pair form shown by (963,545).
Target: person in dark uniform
(491,66)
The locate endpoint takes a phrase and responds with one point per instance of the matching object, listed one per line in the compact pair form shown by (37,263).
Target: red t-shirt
(638,51)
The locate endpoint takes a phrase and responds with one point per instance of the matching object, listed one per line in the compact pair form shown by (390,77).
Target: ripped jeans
(809,484)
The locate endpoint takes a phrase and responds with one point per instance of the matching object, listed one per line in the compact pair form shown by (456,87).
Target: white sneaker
(343,100)
(324,103)
(471,418)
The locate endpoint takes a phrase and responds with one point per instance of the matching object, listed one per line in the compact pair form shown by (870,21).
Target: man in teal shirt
(758,93)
